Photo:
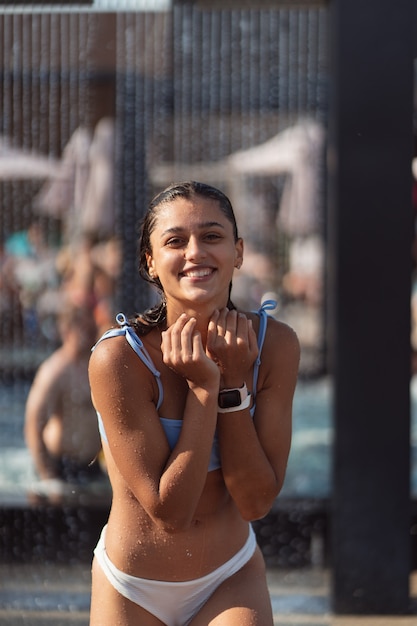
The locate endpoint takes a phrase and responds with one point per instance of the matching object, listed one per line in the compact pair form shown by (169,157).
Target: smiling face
(193,253)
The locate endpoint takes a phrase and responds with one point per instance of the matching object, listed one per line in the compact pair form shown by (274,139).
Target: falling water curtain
(134,100)
(195,86)
(47,67)
(189,91)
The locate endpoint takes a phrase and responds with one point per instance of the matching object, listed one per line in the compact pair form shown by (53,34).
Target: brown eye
(175,242)
(213,236)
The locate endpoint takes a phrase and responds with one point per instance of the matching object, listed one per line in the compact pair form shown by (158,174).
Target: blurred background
(101,107)
(100,111)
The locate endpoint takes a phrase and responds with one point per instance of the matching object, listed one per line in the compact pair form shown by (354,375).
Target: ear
(239,253)
(151,266)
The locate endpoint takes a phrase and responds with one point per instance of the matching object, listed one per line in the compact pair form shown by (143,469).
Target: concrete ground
(59,595)
(301,597)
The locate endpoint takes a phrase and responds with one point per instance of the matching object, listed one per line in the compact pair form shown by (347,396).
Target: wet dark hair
(156,316)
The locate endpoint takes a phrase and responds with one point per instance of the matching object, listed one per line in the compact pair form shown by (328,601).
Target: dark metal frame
(370,234)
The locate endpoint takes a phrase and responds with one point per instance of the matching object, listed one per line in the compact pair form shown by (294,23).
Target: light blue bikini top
(172,427)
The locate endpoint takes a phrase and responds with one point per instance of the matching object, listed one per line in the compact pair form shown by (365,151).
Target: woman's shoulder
(275,328)
(279,336)
(283,334)
(281,352)
(280,355)
(110,350)
(116,349)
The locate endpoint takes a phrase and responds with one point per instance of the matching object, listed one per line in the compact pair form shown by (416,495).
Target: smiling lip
(198,273)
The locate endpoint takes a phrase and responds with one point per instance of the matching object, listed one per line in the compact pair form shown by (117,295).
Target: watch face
(229,399)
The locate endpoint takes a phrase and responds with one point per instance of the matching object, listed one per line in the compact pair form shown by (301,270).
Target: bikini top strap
(268,305)
(136,343)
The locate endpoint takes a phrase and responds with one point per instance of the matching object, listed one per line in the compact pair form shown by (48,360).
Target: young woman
(194,401)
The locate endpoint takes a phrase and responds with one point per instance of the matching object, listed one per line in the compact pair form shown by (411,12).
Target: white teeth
(198,273)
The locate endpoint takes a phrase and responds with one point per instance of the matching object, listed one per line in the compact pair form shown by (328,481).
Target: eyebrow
(180,229)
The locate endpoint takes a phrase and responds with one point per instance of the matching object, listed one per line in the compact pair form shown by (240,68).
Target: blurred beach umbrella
(82,190)
(98,214)
(64,190)
(20,164)
(295,153)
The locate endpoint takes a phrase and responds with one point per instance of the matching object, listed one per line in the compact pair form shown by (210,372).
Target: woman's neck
(202,314)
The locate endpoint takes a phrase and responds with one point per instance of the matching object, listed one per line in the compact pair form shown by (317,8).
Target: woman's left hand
(232,344)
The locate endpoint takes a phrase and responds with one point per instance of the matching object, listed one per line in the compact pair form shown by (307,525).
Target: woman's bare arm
(168,484)
(42,403)
(254,452)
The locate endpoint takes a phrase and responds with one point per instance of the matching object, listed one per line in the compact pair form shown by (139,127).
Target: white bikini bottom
(174,603)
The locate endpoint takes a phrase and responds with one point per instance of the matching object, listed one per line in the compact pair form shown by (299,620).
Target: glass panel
(99,111)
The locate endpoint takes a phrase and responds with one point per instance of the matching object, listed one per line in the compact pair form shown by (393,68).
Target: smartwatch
(235,399)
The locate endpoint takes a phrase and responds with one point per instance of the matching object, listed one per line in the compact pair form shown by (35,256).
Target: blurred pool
(309,465)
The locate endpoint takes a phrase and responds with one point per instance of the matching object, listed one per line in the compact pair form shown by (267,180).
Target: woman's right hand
(182,351)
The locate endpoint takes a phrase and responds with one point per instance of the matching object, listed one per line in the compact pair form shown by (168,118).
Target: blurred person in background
(60,422)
